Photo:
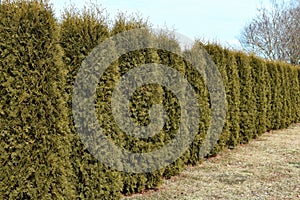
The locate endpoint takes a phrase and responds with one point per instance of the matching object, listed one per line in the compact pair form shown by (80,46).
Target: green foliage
(233,98)
(297,91)
(247,98)
(217,54)
(294,94)
(82,31)
(193,155)
(269,112)
(281,90)
(286,93)
(170,102)
(34,130)
(125,22)
(259,90)
(42,155)
(273,113)
(141,101)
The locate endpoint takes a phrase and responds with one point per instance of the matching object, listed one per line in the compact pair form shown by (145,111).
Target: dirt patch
(266,168)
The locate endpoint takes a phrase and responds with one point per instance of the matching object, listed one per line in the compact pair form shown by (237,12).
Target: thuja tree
(289,111)
(298,99)
(170,102)
(233,98)
(196,79)
(81,32)
(247,98)
(276,104)
(217,54)
(258,68)
(282,102)
(293,77)
(34,133)
(268,97)
(141,101)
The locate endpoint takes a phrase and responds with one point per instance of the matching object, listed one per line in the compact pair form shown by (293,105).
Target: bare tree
(275,33)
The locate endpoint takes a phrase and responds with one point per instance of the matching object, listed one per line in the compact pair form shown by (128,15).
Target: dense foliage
(42,156)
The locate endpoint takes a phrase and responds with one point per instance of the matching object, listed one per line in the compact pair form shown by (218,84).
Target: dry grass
(266,168)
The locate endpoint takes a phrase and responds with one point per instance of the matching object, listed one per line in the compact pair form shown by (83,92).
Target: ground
(266,168)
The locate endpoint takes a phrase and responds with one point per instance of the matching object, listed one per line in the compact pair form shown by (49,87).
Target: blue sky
(213,20)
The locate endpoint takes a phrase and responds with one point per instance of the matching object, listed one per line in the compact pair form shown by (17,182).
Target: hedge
(34,130)
(260,94)
(42,155)
(81,31)
(247,100)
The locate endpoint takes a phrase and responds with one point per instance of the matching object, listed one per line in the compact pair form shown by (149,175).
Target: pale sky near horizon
(213,20)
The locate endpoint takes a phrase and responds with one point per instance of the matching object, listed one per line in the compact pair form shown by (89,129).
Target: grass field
(266,168)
